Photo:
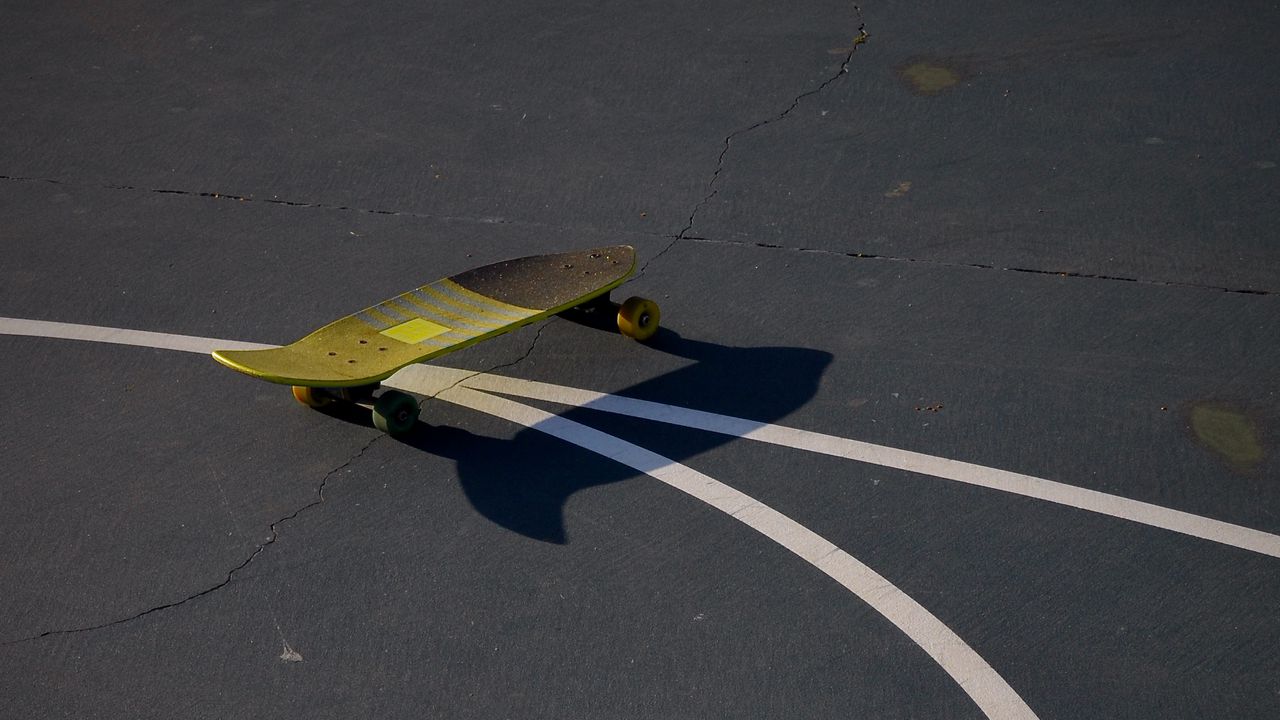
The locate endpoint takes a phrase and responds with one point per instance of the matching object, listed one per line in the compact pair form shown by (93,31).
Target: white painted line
(120,336)
(978,679)
(438,378)
(968,473)
(975,676)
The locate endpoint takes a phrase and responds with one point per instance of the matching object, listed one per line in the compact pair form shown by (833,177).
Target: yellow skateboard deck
(446,315)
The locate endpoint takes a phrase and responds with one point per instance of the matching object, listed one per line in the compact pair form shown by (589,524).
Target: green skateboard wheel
(395,413)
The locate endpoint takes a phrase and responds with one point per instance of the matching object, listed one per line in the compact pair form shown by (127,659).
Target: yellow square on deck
(415,331)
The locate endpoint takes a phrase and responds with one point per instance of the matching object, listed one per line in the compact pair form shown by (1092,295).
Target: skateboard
(346,360)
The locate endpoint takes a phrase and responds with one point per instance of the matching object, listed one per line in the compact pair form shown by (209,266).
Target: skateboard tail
(249,362)
(343,353)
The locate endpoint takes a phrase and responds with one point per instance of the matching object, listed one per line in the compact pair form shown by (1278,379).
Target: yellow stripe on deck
(448,314)
(375,313)
(492,305)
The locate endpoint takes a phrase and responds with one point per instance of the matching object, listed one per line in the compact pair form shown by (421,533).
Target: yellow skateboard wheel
(638,318)
(311,397)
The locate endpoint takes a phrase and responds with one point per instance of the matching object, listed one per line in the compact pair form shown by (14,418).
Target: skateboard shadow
(524,483)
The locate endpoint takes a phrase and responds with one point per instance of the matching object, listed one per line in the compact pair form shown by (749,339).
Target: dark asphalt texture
(1032,236)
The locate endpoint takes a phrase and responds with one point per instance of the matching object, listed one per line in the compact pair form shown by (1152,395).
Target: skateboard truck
(394,412)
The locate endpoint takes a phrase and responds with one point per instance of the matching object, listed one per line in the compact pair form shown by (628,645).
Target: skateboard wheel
(638,318)
(311,397)
(395,413)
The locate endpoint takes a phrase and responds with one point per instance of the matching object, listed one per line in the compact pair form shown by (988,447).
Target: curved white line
(968,473)
(977,678)
(440,378)
(974,675)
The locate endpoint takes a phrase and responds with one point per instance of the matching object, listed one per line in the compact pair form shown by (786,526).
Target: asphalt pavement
(966,401)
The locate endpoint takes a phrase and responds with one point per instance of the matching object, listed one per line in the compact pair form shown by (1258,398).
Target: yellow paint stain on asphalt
(901,189)
(1229,433)
(858,39)
(927,78)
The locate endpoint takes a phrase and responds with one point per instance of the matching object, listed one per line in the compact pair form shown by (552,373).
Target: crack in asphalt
(684,235)
(984,266)
(528,351)
(502,366)
(275,535)
(315,205)
(861,37)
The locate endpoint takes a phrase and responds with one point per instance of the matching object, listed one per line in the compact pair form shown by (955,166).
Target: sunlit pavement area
(966,402)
